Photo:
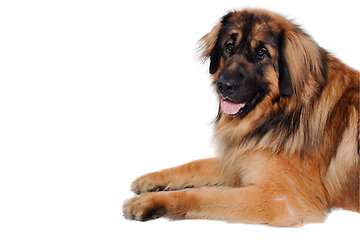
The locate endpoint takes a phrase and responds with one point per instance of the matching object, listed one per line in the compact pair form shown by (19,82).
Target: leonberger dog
(287,132)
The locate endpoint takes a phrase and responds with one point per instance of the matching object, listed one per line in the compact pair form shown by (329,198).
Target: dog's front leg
(195,174)
(246,205)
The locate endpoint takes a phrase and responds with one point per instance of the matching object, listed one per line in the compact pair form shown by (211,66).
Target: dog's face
(245,59)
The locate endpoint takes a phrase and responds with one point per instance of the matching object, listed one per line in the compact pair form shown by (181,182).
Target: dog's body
(287,131)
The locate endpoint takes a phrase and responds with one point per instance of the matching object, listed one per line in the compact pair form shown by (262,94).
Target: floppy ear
(214,60)
(285,84)
(299,59)
(209,48)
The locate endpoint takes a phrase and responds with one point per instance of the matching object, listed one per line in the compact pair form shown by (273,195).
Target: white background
(95,93)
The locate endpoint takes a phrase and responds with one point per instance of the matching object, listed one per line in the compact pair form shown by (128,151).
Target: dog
(287,132)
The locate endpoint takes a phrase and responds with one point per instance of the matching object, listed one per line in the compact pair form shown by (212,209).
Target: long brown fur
(287,162)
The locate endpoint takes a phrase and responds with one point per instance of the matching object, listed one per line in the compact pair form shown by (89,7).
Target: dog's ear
(215,56)
(299,61)
(285,84)
(209,48)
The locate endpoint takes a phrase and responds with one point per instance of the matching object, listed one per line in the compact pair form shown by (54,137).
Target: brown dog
(287,132)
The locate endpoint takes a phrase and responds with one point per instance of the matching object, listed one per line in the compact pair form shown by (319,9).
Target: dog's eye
(261,53)
(229,47)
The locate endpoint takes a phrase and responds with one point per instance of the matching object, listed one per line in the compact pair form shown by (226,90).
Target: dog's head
(256,55)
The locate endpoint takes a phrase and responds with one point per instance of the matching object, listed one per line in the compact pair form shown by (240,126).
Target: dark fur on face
(247,47)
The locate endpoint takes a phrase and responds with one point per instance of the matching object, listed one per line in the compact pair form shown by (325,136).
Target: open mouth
(234,109)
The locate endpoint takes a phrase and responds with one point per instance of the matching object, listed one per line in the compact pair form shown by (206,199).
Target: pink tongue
(231,108)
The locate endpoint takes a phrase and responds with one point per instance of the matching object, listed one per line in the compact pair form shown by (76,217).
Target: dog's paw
(152,182)
(145,207)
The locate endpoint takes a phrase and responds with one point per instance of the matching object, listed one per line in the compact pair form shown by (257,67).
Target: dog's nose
(226,87)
